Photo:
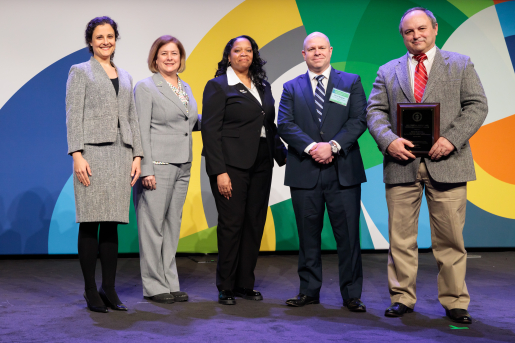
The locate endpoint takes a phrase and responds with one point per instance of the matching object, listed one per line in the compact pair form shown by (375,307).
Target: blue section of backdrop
(33,140)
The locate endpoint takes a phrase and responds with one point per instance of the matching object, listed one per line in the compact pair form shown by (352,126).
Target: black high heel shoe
(116,304)
(101,309)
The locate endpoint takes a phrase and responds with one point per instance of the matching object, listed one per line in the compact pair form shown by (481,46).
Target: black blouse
(116,85)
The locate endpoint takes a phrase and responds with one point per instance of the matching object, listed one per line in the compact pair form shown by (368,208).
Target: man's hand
(441,148)
(397,149)
(322,153)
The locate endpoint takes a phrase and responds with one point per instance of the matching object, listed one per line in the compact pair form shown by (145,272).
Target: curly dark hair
(256,72)
(93,23)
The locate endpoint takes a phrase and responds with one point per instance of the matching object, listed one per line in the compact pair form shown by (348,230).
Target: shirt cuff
(309,147)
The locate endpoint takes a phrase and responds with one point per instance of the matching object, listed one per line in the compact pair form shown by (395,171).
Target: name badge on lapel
(339,97)
(243,91)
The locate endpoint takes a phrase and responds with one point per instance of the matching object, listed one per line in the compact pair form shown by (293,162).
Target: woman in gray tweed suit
(104,140)
(167,114)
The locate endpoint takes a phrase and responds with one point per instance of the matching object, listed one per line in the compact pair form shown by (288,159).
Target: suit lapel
(102,78)
(124,85)
(262,96)
(167,91)
(434,75)
(190,95)
(246,93)
(106,86)
(401,70)
(307,90)
(334,81)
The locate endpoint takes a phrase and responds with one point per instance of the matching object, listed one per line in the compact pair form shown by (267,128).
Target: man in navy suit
(321,116)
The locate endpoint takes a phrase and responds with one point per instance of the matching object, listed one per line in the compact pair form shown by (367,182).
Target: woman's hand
(224,185)
(81,168)
(135,170)
(149,182)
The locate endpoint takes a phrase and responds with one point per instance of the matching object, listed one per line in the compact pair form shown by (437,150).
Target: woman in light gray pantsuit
(104,140)
(167,114)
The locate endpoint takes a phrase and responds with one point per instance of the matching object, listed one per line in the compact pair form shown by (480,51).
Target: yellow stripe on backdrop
(263,20)
(491,195)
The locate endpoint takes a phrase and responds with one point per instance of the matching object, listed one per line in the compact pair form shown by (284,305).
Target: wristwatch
(334,148)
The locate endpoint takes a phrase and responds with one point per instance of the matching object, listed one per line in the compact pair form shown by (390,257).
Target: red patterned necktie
(420,77)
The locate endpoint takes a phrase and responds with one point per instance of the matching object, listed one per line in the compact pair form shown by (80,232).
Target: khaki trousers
(446,203)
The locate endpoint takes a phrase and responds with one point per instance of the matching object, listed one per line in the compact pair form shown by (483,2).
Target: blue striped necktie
(319,97)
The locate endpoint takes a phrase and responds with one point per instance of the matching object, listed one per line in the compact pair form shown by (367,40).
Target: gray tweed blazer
(165,124)
(454,83)
(93,110)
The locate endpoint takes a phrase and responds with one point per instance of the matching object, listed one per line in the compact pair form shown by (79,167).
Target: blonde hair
(154,49)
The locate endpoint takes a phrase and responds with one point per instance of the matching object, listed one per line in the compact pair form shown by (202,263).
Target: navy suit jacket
(298,126)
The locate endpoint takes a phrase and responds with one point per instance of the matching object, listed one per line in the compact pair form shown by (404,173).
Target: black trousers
(343,207)
(241,221)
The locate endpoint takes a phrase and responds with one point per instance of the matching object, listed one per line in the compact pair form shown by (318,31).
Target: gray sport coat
(93,110)
(454,83)
(164,122)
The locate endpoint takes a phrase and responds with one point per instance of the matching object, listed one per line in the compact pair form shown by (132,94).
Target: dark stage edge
(41,301)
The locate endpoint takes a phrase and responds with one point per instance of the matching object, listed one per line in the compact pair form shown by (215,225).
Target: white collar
(233,79)
(430,54)
(326,73)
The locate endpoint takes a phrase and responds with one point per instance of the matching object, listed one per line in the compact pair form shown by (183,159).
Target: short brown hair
(154,49)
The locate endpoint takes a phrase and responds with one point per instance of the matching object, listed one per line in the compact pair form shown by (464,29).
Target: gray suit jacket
(164,122)
(454,83)
(93,110)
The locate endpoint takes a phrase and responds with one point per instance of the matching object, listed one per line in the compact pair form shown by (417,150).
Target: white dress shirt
(427,63)
(314,83)
(233,79)
(313,78)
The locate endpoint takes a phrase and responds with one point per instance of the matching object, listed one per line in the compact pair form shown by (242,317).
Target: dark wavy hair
(93,23)
(256,71)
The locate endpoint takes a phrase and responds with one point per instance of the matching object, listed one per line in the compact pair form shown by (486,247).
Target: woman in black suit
(240,142)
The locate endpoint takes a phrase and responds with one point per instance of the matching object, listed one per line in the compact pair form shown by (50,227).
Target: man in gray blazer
(441,77)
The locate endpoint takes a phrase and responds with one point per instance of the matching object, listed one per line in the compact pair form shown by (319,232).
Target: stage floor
(41,301)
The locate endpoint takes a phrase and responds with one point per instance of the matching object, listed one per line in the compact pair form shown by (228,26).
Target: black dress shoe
(226,297)
(397,310)
(459,315)
(163,298)
(301,300)
(180,296)
(247,293)
(113,301)
(95,308)
(355,305)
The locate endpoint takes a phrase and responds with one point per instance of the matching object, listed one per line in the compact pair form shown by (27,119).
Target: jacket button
(263,112)
(321,133)
(186,119)
(186,134)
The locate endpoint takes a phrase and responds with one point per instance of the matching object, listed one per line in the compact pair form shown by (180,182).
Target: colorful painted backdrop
(37,213)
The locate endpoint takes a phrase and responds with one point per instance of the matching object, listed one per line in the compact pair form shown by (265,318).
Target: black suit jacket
(232,119)
(298,126)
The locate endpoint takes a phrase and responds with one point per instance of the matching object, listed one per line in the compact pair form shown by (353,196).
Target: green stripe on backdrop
(338,19)
(365,34)
(128,234)
(469,8)
(204,241)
